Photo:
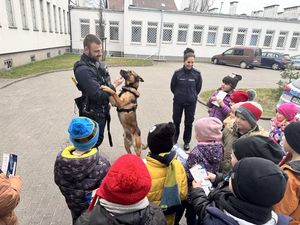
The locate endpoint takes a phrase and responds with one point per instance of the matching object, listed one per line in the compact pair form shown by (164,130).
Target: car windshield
(296,83)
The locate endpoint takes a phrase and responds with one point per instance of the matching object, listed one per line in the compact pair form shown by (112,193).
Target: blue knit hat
(84,133)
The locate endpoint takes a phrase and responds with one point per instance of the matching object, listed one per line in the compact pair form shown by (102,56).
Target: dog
(126,103)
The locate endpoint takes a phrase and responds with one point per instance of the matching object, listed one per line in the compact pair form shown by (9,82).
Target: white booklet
(199,174)
(220,95)
(9,164)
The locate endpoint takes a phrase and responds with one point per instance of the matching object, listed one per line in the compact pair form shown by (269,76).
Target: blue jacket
(186,85)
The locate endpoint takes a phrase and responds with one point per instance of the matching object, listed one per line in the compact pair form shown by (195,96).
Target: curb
(204,104)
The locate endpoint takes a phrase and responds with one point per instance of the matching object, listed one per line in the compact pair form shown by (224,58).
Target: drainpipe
(161,28)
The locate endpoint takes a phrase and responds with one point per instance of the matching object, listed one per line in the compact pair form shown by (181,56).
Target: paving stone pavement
(35,113)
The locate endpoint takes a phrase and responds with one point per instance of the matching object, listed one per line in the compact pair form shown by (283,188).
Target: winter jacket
(219,112)
(151,215)
(10,189)
(78,176)
(290,203)
(186,85)
(231,134)
(158,172)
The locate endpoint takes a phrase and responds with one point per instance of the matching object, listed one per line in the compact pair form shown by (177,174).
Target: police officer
(90,75)
(186,84)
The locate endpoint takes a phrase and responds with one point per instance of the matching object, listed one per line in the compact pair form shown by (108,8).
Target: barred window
(167,32)
(269,38)
(49,17)
(152,32)
(33,14)
(212,35)
(136,31)
(241,36)
(59,17)
(10,13)
(65,25)
(295,40)
(227,35)
(255,37)
(68,22)
(84,27)
(114,30)
(42,15)
(55,18)
(182,33)
(281,39)
(23,14)
(97,29)
(197,34)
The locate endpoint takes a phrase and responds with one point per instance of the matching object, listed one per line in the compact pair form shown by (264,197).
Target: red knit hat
(239,96)
(252,112)
(127,182)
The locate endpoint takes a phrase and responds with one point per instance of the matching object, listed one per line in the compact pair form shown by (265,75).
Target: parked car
(291,93)
(245,57)
(295,61)
(274,60)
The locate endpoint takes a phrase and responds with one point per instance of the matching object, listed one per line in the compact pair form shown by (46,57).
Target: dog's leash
(108,130)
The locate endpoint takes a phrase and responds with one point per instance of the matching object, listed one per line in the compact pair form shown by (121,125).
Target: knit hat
(258,181)
(126,182)
(83,133)
(161,138)
(243,96)
(292,135)
(208,129)
(257,146)
(232,80)
(252,112)
(288,110)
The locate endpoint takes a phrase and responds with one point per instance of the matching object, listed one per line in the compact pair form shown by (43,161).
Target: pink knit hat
(208,129)
(288,110)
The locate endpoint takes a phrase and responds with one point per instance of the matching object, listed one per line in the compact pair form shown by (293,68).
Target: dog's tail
(144,147)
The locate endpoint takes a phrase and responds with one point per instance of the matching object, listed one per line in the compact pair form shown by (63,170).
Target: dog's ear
(140,79)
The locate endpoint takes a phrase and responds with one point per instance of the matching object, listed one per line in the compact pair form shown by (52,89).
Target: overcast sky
(247,6)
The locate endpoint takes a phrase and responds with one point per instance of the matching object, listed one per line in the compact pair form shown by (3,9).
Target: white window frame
(84,22)
(282,36)
(65,24)
(24,15)
(136,24)
(255,33)
(60,20)
(114,25)
(10,14)
(227,31)
(296,35)
(241,32)
(68,22)
(198,29)
(152,26)
(55,19)
(33,14)
(212,30)
(184,28)
(42,12)
(49,17)
(170,28)
(269,33)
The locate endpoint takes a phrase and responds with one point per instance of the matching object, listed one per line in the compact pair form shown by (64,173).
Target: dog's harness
(135,93)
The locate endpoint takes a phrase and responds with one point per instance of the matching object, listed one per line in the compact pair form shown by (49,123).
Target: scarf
(244,210)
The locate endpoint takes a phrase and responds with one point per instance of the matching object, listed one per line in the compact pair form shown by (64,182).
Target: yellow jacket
(158,173)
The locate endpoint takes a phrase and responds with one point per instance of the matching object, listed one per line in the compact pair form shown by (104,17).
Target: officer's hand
(118,81)
(107,89)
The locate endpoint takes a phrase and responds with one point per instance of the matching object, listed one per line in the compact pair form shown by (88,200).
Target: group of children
(241,159)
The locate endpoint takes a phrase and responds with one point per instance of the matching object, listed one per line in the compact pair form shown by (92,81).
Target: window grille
(136,31)
(268,38)
(97,29)
(65,25)
(241,36)
(49,17)
(84,27)
(182,33)
(198,33)
(152,32)
(254,37)
(212,35)
(281,39)
(227,35)
(167,32)
(114,30)
(295,40)
(23,14)
(60,21)
(33,13)
(10,13)
(55,18)
(68,24)
(42,15)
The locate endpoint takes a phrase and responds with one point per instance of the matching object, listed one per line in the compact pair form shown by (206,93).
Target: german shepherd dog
(126,103)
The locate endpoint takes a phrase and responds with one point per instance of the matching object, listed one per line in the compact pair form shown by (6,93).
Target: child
(223,109)
(290,204)
(169,182)
(286,114)
(255,185)
(244,125)
(10,189)
(122,196)
(79,169)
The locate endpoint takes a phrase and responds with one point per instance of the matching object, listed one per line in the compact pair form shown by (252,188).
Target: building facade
(154,33)
(32,30)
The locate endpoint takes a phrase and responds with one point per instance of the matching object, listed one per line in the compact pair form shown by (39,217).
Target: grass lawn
(267,97)
(65,61)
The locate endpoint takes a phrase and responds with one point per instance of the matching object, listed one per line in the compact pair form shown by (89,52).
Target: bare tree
(200,5)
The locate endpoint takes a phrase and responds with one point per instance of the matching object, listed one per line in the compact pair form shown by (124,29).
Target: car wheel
(215,61)
(243,65)
(275,66)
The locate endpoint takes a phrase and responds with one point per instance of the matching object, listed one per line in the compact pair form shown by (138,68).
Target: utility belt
(84,109)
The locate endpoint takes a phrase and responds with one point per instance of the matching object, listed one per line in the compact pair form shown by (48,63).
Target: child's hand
(221,103)
(213,98)
(196,184)
(211,176)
